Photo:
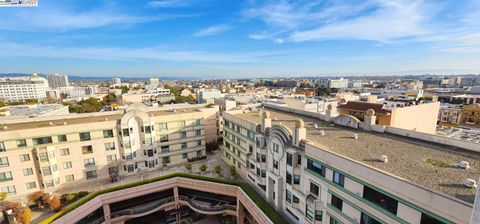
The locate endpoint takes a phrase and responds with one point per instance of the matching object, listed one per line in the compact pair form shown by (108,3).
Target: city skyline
(215,39)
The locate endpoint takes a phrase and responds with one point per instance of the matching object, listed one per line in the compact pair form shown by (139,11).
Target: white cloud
(212,30)
(167,3)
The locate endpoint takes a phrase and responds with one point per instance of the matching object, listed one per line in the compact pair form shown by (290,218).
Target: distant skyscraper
(116,81)
(57,80)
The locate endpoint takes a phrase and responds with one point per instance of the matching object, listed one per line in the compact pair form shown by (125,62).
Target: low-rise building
(450,115)
(34,110)
(471,115)
(208,96)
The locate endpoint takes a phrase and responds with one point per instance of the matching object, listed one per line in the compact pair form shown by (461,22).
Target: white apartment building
(338,83)
(45,153)
(23,88)
(57,80)
(116,81)
(315,173)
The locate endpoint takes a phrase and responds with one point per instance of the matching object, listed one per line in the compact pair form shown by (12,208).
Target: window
(184,155)
(27,171)
(51,154)
(365,219)
(275,147)
(110,146)
(288,178)
(4,161)
(64,152)
(199,142)
(316,167)
(295,199)
(54,167)
(89,162)
(299,160)
(199,153)
(6,176)
(91,174)
(67,165)
(62,138)
(108,133)
(336,202)
(314,189)
(43,156)
(333,220)
(380,199)
(148,129)
(275,164)
(250,135)
(198,132)
(183,134)
(10,190)
(309,213)
(288,196)
(163,127)
(426,219)
(85,136)
(31,185)
(182,124)
(338,178)
(164,138)
(318,215)
(166,160)
(47,171)
(23,158)
(289,159)
(184,145)
(87,149)
(21,143)
(296,179)
(69,178)
(198,122)
(111,158)
(2,147)
(264,158)
(125,132)
(41,141)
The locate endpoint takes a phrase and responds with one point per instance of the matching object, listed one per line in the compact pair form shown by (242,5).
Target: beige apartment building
(314,172)
(48,152)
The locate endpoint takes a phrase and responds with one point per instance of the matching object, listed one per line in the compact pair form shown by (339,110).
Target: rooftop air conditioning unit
(384,158)
(355,136)
(470,183)
(322,132)
(275,118)
(464,165)
(315,126)
(50,123)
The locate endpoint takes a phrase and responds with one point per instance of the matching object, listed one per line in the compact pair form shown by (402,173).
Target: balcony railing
(207,207)
(142,208)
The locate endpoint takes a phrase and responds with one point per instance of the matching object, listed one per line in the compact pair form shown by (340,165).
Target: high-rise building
(23,88)
(57,80)
(316,173)
(116,81)
(45,153)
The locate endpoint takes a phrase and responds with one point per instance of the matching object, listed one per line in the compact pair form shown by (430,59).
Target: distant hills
(99,78)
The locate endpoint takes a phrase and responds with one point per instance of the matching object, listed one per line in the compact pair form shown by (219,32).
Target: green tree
(180,99)
(456,101)
(324,91)
(211,146)
(75,108)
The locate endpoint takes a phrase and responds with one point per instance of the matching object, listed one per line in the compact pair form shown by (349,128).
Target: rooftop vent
(322,132)
(65,123)
(275,118)
(464,165)
(50,123)
(5,127)
(470,183)
(384,158)
(315,125)
(106,119)
(355,136)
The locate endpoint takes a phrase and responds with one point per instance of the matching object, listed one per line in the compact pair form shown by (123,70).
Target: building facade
(57,80)
(325,174)
(23,88)
(471,115)
(48,152)
(450,116)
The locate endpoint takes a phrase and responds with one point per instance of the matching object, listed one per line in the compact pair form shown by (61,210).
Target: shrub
(203,167)
(71,197)
(217,169)
(46,197)
(82,194)
(188,166)
(3,196)
(55,204)
(232,170)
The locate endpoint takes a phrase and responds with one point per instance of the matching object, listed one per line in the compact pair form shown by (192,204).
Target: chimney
(369,119)
(300,132)
(266,120)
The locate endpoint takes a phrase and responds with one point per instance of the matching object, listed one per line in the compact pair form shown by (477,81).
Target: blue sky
(225,39)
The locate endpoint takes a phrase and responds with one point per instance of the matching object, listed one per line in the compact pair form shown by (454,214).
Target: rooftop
(407,158)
